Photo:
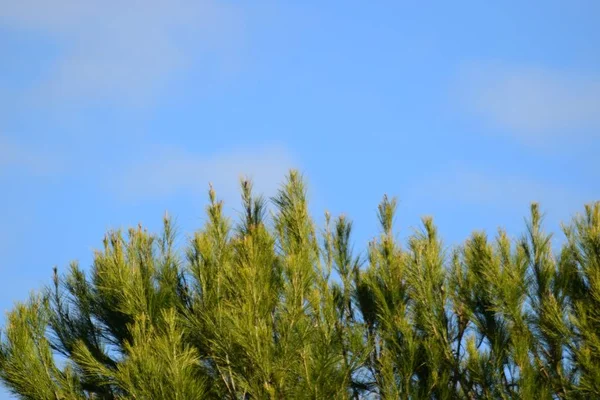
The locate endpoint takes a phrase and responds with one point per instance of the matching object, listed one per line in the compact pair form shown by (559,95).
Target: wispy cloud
(534,104)
(16,158)
(468,186)
(123,51)
(175,171)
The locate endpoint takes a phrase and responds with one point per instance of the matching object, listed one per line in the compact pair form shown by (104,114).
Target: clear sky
(112,112)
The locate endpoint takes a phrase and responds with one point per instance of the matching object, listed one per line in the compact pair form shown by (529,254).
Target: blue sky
(112,113)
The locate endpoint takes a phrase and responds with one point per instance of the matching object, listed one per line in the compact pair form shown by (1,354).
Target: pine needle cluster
(270,307)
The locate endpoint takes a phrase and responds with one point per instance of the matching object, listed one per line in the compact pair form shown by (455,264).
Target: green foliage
(274,308)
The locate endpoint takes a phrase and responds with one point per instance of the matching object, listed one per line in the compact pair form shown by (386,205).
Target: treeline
(275,308)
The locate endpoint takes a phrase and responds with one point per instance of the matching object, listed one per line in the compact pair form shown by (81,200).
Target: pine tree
(272,307)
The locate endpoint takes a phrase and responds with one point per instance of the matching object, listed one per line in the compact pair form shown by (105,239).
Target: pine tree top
(277,308)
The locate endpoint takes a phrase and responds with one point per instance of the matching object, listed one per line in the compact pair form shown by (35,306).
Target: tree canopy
(271,307)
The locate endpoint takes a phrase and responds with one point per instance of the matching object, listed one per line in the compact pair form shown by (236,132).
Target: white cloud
(495,191)
(536,105)
(174,171)
(124,51)
(15,157)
